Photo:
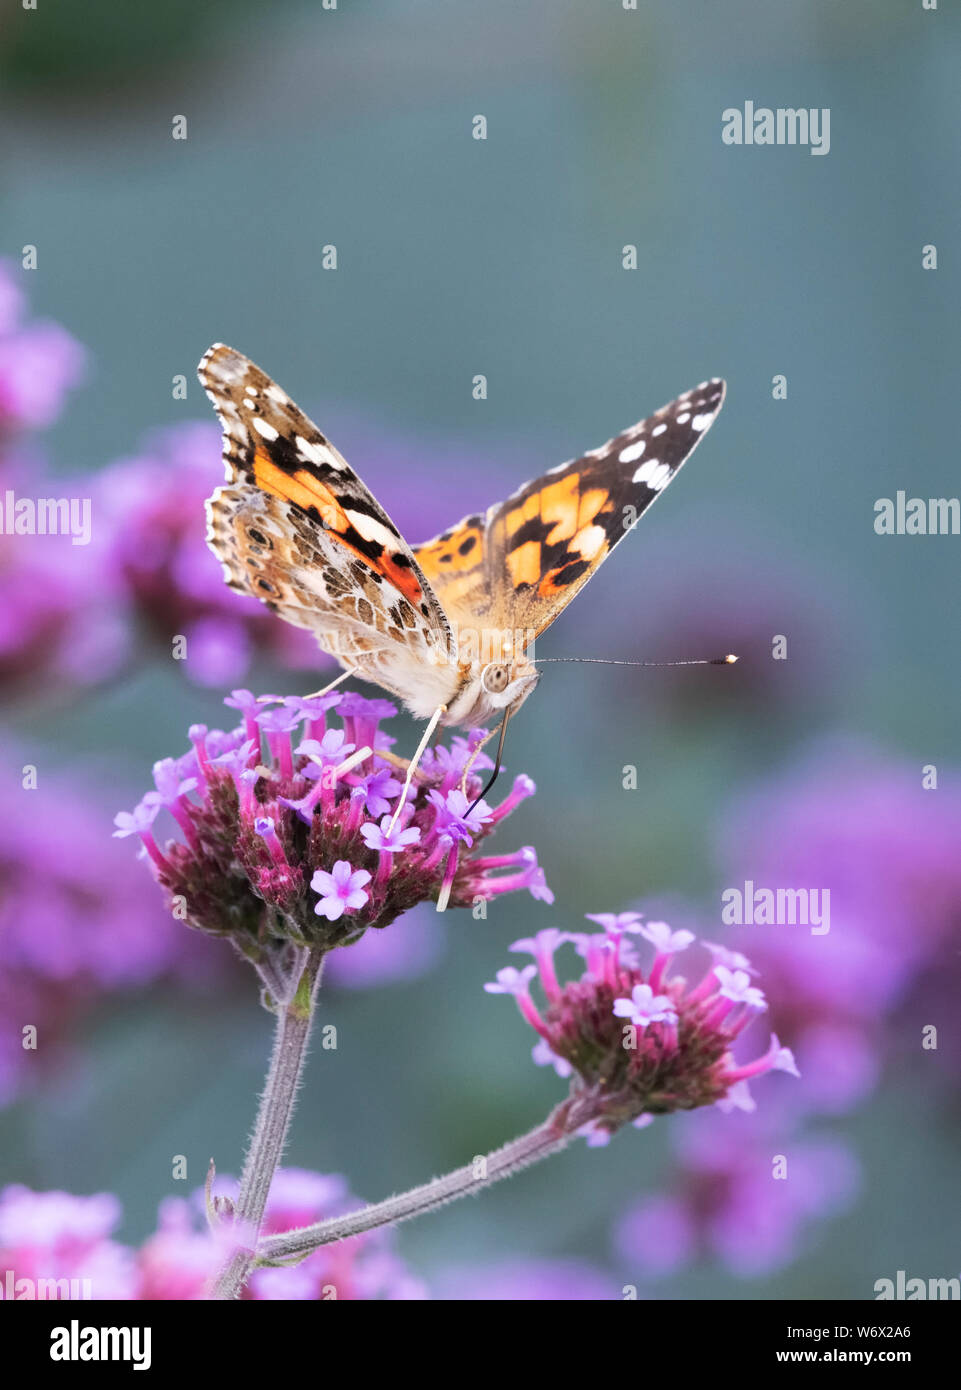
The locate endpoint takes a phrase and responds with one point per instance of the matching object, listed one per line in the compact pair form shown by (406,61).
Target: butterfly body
(448,624)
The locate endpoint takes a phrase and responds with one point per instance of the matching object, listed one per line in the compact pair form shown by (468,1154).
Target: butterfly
(446,626)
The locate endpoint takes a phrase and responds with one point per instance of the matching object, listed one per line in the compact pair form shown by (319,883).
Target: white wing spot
(701,422)
(314,453)
(264,428)
(370,528)
(633,452)
(654,473)
(658,429)
(683,419)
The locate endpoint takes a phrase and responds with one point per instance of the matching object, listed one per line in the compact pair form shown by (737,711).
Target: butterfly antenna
(497,763)
(728,660)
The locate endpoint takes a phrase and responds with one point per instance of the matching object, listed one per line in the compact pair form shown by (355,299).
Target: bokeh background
(309,127)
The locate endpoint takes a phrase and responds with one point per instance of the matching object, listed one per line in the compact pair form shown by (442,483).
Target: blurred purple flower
(153,511)
(520,1280)
(727,1204)
(54,1235)
(62,624)
(39,361)
(176,1262)
(73,920)
(851,820)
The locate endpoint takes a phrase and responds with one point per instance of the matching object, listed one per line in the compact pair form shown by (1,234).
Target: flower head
(279,842)
(638,1044)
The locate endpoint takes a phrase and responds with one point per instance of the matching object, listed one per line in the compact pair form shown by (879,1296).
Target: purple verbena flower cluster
(639,1044)
(288,825)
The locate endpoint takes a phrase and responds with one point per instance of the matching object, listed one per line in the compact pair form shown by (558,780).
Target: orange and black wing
(295,527)
(519,566)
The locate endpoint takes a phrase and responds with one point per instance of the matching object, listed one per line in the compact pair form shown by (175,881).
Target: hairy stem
(295,1015)
(546,1139)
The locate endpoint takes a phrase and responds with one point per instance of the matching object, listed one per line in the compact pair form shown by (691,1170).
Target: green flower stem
(546,1139)
(294,1020)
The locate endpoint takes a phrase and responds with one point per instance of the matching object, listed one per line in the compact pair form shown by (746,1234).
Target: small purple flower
(380,787)
(449,764)
(510,980)
(544,1056)
(341,890)
(645,1007)
(736,986)
(313,707)
(615,921)
(454,816)
(596,1135)
(523,787)
(138,820)
(777,1058)
(536,885)
(387,841)
(329,751)
(734,960)
(666,942)
(542,948)
(279,720)
(170,784)
(354,706)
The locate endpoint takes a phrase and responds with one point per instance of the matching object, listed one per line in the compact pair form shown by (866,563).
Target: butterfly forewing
(519,567)
(295,527)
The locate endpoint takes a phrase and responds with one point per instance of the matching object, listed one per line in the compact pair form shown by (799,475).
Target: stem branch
(295,1015)
(546,1139)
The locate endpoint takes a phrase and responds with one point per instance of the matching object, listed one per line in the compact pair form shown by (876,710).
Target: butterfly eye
(495,678)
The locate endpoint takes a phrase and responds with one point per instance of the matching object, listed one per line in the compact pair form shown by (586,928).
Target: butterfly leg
(412,765)
(315,693)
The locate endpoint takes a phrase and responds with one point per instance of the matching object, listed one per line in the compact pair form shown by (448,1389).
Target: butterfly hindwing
(295,527)
(455,563)
(519,567)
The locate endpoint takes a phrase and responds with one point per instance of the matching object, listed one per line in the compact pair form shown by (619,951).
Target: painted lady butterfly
(446,626)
